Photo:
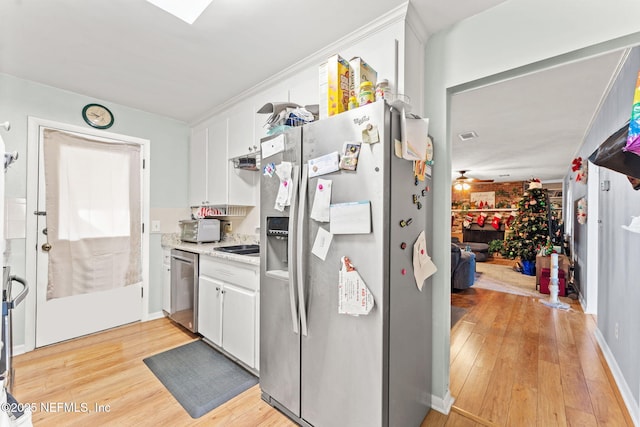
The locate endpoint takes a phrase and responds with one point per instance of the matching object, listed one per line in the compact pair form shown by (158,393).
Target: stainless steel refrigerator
(319,367)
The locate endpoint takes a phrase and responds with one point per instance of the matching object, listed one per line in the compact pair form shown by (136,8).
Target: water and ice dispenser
(277,257)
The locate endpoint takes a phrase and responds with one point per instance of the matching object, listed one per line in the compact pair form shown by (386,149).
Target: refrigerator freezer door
(279,339)
(344,364)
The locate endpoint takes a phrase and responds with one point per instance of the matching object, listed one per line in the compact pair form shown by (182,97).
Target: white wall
(169,149)
(617,293)
(512,38)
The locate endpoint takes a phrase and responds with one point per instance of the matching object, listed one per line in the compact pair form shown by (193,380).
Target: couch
(481,250)
(463,268)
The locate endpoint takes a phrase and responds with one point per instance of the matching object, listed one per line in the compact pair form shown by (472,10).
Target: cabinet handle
(217,288)
(250,149)
(223,291)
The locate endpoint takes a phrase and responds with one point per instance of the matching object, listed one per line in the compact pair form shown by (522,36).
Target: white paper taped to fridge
(414,138)
(423,267)
(324,164)
(272,146)
(283,198)
(350,218)
(321,201)
(354,297)
(322,243)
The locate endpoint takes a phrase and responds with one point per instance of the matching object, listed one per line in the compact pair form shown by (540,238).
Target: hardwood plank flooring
(106,371)
(514,362)
(517,362)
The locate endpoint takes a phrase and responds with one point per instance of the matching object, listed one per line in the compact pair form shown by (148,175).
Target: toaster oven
(200,230)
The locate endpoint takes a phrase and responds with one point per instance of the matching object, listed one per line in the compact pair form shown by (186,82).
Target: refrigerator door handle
(292,252)
(300,244)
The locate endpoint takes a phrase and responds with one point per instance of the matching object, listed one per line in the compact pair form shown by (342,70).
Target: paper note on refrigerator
(354,297)
(350,218)
(321,201)
(370,134)
(423,267)
(285,189)
(324,164)
(322,243)
(272,146)
(415,135)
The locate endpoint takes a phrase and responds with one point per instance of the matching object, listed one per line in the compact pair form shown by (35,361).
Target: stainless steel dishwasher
(184,289)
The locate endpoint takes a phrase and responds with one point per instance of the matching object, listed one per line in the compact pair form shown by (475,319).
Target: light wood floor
(107,369)
(514,362)
(517,362)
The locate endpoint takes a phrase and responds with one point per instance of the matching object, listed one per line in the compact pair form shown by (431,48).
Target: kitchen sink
(239,249)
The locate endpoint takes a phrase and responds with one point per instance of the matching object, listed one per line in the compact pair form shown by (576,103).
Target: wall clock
(98,116)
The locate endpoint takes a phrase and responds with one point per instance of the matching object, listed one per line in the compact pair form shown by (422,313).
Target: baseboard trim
(625,391)
(155,316)
(442,404)
(19,349)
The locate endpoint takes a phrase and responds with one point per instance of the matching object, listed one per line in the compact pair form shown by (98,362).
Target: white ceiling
(132,53)
(530,126)
(129,52)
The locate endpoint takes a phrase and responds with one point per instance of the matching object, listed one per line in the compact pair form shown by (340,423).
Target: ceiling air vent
(466,136)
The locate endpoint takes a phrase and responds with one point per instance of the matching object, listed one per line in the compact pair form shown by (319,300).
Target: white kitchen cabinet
(210,309)
(238,323)
(241,140)
(243,184)
(198,167)
(227,306)
(208,167)
(217,164)
(212,178)
(166,281)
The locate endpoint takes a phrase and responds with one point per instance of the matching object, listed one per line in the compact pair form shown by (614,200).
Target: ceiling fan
(464,178)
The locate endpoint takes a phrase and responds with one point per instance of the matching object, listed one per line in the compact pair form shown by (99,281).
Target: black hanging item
(610,155)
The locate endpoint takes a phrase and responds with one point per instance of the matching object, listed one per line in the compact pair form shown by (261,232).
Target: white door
(89,250)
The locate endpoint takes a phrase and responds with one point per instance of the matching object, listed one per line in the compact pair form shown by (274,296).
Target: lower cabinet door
(210,309)
(238,323)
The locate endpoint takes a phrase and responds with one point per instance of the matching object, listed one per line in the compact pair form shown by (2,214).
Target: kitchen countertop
(172,241)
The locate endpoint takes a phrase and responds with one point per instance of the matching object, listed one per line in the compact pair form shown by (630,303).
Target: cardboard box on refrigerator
(360,72)
(334,79)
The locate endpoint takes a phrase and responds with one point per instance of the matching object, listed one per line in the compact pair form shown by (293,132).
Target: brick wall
(507,196)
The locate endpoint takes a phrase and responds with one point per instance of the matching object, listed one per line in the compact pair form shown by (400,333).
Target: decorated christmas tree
(530,227)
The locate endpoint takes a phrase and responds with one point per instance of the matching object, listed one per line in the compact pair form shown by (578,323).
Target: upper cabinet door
(218,163)
(241,130)
(198,167)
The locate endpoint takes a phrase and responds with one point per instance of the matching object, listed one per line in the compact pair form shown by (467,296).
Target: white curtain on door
(93,213)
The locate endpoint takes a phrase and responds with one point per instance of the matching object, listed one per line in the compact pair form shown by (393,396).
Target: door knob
(46,247)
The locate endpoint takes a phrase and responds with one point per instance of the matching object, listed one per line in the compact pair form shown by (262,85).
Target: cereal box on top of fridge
(334,86)
(360,72)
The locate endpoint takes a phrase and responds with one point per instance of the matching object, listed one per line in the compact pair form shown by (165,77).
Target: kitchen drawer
(235,273)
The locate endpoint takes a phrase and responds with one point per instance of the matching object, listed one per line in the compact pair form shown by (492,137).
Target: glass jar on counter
(382,90)
(367,93)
